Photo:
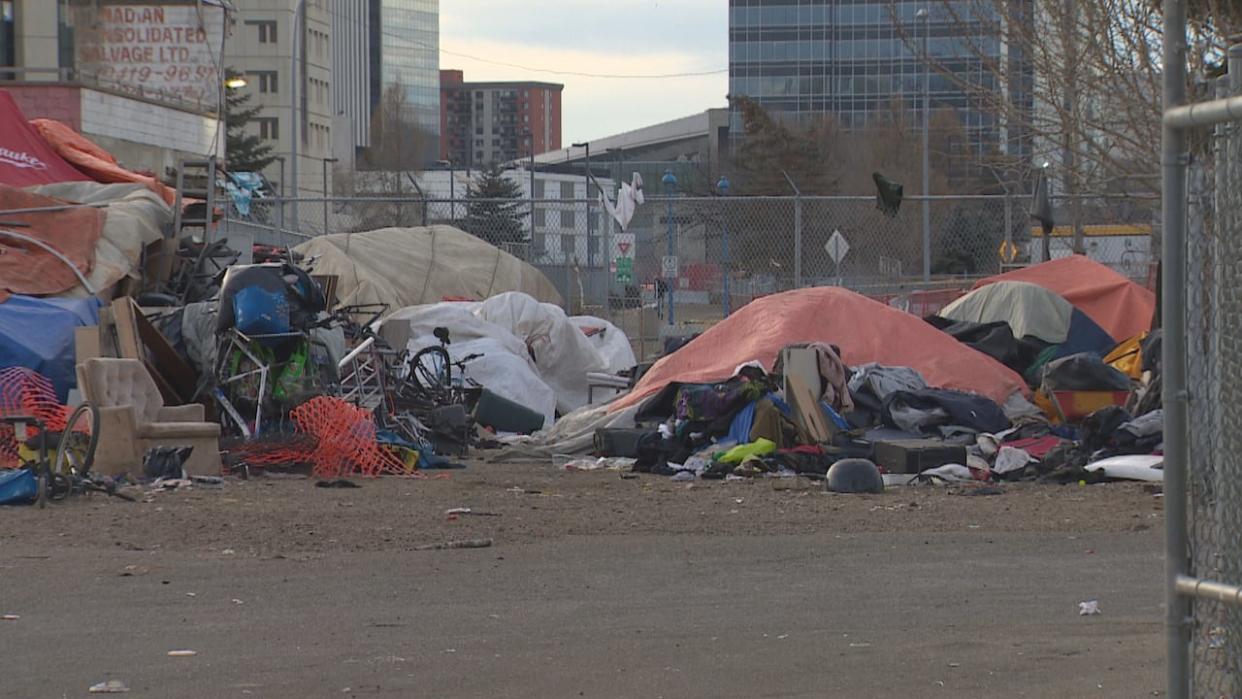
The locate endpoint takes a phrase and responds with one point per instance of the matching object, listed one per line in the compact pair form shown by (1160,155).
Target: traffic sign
(624,247)
(1008,251)
(625,270)
(837,247)
(669,266)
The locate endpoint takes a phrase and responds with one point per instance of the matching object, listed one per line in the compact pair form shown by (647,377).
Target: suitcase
(611,441)
(916,455)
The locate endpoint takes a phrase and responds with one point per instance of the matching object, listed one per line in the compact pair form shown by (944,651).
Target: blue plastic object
(257,311)
(37,334)
(18,487)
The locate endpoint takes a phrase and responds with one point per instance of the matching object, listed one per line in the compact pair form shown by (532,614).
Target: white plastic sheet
(612,343)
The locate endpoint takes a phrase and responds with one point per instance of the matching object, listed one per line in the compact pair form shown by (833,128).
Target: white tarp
(611,343)
(534,354)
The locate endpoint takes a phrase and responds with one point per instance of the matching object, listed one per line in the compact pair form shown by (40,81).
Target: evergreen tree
(246,152)
(494,208)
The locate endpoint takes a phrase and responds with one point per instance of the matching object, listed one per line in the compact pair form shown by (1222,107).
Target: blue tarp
(37,333)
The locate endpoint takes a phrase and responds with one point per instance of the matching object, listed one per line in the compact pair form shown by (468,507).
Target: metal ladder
(204,170)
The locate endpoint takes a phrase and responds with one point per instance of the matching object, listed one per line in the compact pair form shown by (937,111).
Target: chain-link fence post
(798,241)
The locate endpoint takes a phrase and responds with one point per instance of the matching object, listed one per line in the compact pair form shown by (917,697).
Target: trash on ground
(1089,608)
(466,544)
(109,687)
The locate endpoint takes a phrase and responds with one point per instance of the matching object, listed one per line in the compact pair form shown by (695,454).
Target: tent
(413,266)
(1119,306)
(38,334)
(26,159)
(1032,311)
(865,330)
(93,160)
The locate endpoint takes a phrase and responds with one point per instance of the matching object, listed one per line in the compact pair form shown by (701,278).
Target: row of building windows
(854,13)
(894,48)
(908,84)
(264,29)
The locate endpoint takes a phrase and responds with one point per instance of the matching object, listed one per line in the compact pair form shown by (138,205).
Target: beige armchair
(133,418)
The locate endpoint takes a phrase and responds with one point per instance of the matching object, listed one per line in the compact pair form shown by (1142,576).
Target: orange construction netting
(25,392)
(335,437)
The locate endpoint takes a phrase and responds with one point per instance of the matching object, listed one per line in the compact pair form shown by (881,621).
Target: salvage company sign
(162,52)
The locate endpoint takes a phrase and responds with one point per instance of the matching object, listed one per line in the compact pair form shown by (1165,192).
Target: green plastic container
(503,415)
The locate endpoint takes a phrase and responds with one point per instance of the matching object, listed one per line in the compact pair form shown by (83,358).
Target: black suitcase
(623,442)
(916,455)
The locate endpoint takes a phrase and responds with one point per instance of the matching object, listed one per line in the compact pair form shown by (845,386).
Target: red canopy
(26,159)
(1124,309)
(865,330)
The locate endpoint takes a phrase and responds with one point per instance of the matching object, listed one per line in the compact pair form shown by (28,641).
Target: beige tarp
(135,217)
(414,266)
(1031,311)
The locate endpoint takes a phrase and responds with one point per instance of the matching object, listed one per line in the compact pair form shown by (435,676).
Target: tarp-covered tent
(865,330)
(39,255)
(1119,306)
(414,266)
(1032,311)
(38,334)
(94,161)
(26,159)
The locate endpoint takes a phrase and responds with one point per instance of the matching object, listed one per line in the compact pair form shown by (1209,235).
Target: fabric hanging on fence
(629,198)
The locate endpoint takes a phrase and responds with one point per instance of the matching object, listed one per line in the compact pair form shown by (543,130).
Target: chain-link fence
(683,263)
(1202,383)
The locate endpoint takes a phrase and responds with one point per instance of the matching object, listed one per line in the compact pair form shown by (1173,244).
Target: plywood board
(802,362)
(86,343)
(807,412)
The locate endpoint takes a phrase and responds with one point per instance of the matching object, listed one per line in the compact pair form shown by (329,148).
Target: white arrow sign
(837,247)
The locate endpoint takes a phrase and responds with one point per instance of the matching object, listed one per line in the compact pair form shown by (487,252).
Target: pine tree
(494,208)
(246,152)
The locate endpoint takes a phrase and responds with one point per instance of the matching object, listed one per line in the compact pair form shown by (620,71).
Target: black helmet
(855,476)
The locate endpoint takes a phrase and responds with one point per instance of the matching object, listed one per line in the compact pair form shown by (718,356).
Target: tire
(432,371)
(75,454)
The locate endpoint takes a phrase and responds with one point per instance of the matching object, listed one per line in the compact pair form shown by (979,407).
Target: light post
(723,185)
(448,164)
(924,15)
(326,202)
(590,228)
(299,11)
(670,188)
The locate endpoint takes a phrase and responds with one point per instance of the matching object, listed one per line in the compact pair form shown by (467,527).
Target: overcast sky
(613,37)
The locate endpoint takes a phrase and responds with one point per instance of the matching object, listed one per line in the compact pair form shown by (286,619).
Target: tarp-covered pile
(404,267)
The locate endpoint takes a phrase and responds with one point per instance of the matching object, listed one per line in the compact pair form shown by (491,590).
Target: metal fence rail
(1202,376)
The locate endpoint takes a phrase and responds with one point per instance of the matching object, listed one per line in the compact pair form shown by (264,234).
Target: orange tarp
(94,161)
(865,330)
(1119,306)
(26,268)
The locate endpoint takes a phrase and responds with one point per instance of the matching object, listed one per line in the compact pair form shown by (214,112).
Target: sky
(603,37)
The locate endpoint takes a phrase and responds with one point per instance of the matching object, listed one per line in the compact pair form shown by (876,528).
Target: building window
(567,190)
(8,45)
(539,189)
(478,131)
(538,245)
(267,30)
(567,246)
(593,246)
(267,81)
(541,217)
(567,218)
(269,128)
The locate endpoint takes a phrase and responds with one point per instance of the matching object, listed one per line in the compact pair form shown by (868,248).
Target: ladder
(196,179)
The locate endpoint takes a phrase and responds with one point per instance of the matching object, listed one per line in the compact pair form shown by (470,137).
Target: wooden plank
(803,362)
(128,345)
(807,412)
(87,343)
(164,361)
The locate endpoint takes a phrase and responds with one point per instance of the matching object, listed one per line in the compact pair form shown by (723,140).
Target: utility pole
(295,38)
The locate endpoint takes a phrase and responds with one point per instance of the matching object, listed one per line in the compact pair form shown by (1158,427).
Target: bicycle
(68,471)
(431,370)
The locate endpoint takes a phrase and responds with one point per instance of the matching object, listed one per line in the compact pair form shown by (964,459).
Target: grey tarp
(414,266)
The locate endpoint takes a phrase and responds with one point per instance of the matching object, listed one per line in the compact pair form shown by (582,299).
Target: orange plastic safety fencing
(25,392)
(338,440)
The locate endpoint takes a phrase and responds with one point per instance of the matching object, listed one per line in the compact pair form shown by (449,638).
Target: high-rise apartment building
(852,59)
(486,123)
(405,51)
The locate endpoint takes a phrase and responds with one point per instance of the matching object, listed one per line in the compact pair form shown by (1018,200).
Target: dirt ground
(593,585)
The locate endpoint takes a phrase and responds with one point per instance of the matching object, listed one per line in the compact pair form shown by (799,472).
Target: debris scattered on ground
(9,617)
(337,483)
(465,544)
(109,687)
(1089,608)
(182,653)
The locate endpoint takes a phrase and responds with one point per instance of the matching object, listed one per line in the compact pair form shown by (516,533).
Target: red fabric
(865,330)
(1119,306)
(26,159)
(26,268)
(1037,447)
(95,161)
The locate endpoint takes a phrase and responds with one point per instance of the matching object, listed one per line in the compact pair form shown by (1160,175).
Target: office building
(854,59)
(351,75)
(495,122)
(405,51)
(262,47)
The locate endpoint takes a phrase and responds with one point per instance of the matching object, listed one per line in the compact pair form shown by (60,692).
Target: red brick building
(494,122)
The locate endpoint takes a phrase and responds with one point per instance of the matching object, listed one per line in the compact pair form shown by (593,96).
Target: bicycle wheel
(76,451)
(432,371)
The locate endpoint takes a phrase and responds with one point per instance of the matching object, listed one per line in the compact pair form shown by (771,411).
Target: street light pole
(670,188)
(590,228)
(295,31)
(925,15)
(326,203)
(723,185)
